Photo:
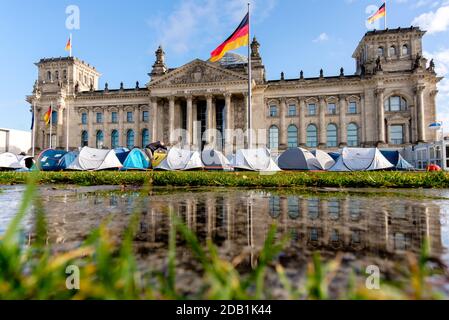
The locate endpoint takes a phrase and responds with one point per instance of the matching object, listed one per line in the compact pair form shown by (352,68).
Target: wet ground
(363,227)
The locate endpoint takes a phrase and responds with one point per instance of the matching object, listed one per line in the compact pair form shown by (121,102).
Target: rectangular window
(273,111)
(99,117)
(84,118)
(129,116)
(352,108)
(145,116)
(114,117)
(397,134)
(332,108)
(311,109)
(292,110)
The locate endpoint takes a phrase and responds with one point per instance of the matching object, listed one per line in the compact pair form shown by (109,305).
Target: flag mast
(386,13)
(51,123)
(249,126)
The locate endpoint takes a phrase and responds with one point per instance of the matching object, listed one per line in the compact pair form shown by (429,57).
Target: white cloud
(434,21)
(321,38)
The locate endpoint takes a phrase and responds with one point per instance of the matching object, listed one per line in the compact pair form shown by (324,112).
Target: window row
(115,139)
(312,136)
(99,118)
(312,109)
(56,75)
(393,51)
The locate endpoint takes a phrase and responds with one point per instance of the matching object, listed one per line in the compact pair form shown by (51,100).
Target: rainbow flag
(238,39)
(47,116)
(382,12)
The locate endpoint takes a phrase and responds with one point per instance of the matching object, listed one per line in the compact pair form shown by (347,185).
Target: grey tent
(299,159)
(359,159)
(215,160)
(324,159)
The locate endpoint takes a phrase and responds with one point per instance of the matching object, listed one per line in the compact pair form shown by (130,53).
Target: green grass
(240,179)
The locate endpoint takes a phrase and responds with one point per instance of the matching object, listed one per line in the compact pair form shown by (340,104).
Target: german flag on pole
(382,12)
(47,116)
(238,39)
(68,46)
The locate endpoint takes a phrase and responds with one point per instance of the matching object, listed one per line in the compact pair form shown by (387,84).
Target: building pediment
(196,73)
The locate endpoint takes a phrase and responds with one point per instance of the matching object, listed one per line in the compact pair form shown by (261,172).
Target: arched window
(57,75)
(332,135)
(392,51)
(130,139)
(114,139)
(54,117)
(100,140)
(405,51)
(273,138)
(380,51)
(312,136)
(353,135)
(84,139)
(145,137)
(292,136)
(395,104)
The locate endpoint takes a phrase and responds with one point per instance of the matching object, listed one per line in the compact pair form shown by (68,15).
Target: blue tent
(49,159)
(334,155)
(397,160)
(122,154)
(67,159)
(136,160)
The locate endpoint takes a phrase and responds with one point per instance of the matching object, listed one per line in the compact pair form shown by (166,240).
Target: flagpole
(34,128)
(249,126)
(386,13)
(51,123)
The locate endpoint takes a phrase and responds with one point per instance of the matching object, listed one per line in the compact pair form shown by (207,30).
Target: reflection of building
(389,101)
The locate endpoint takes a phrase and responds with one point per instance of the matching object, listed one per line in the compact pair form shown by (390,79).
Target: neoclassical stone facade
(389,102)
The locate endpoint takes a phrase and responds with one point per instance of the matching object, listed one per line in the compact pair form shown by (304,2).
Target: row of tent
(88,159)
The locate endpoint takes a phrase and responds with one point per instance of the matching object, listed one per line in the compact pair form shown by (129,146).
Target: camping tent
(358,159)
(215,160)
(9,161)
(397,160)
(254,160)
(334,155)
(122,154)
(324,159)
(49,160)
(298,159)
(181,159)
(136,160)
(95,159)
(68,159)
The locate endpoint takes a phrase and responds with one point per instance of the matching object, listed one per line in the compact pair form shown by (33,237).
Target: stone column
(302,123)
(210,117)
(154,109)
(171,128)
(363,115)
(107,134)
(322,123)
(380,115)
(407,133)
(228,122)
(421,114)
(137,122)
(282,126)
(189,127)
(342,128)
(195,128)
(120,127)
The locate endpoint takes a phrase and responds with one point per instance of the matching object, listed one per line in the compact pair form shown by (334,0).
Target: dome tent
(181,160)
(68,159)
(359,159)
(9,161)
(215,160)
(49,160)
(397,160)
(254,160)
(122,154)
(324,159)
(136,160)
(298,159)
(95,160)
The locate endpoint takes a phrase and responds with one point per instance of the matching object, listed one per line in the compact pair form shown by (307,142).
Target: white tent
(9,161)
(95,159)
(298,159)
(254,160)
(215,160)
(181,159)
(324,159)
(358,159)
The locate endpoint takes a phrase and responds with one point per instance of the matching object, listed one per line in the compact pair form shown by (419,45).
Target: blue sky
(120,38)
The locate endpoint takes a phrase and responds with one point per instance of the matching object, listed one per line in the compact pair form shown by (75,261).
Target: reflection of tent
(95,159)
(181,159)
(136,160)
(325,160)
(397,160)
(358,159)
(122,154)
(254,160)
(9,161)
(68,159)
(299,159)
(215,160)
(49,160)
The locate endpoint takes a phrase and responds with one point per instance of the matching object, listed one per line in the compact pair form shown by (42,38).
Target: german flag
(47,116)
(382,12)
(238,39)
(68,46)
